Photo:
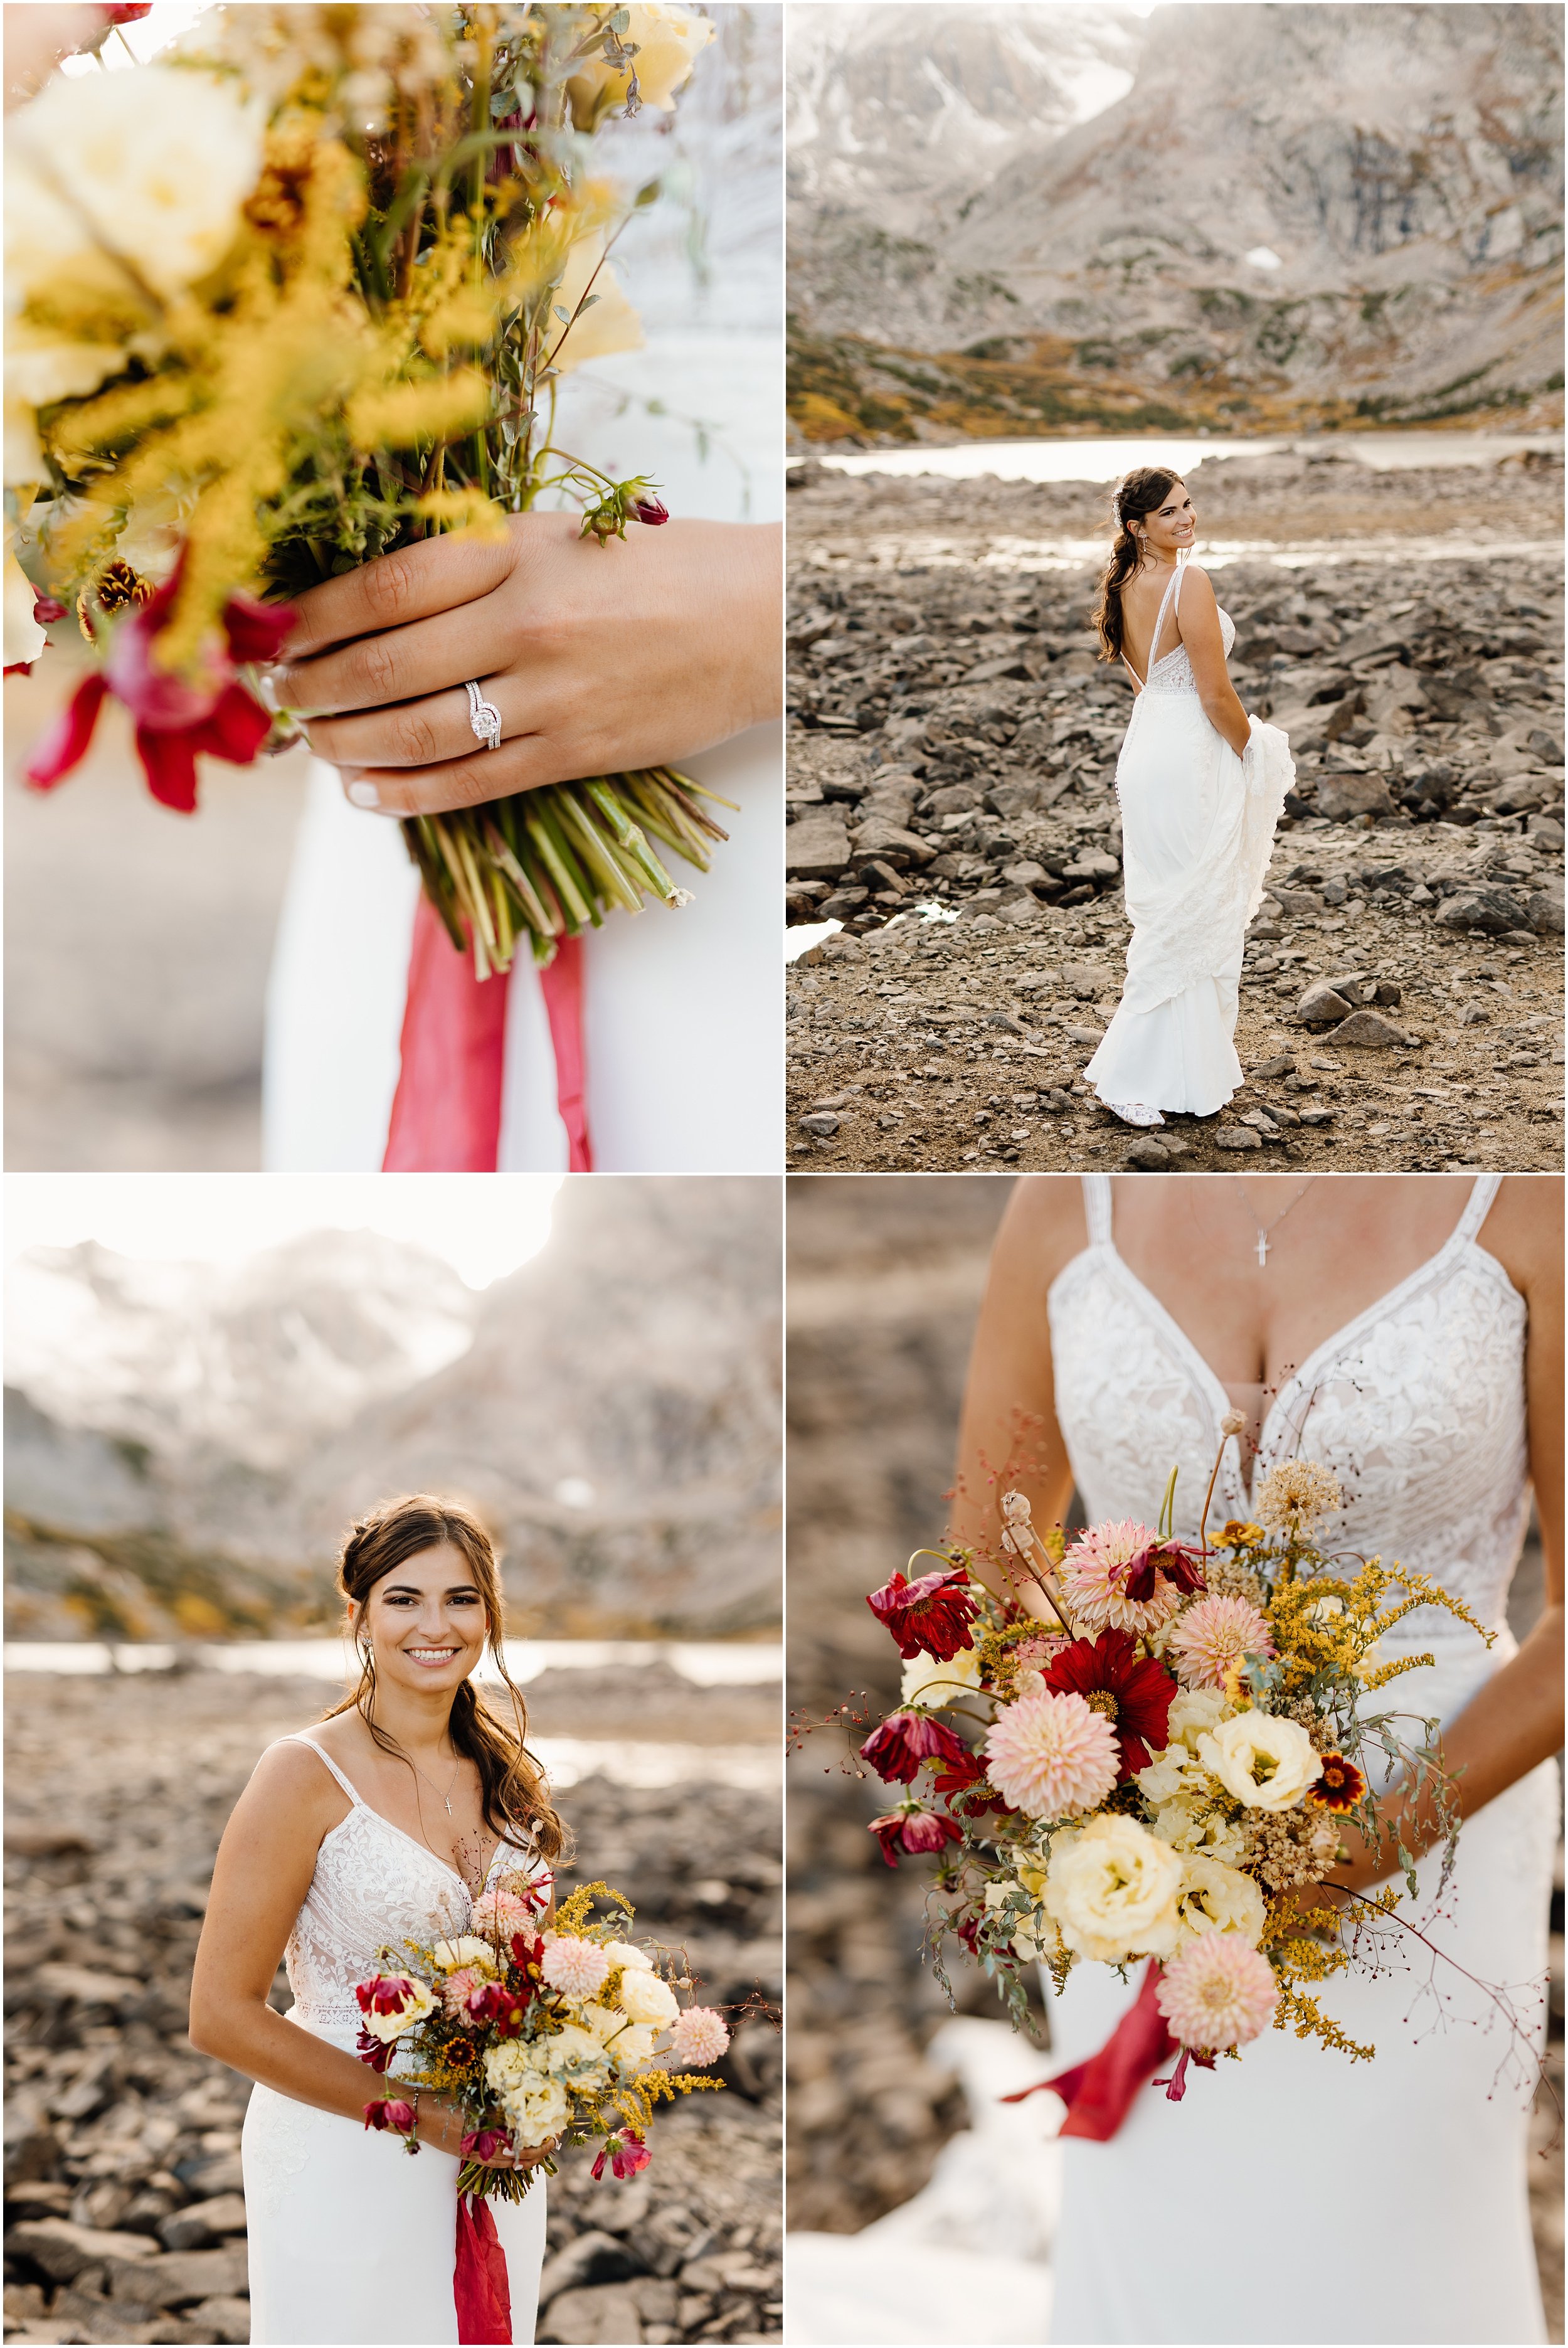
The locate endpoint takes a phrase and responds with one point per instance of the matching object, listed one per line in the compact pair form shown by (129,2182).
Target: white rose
(467,1950)
(1193,1712)
(625,2041)
(578,2056)
(539,2109)
(645,1998)
(627,1955)
(928,1680)
(1217,1898)
(1112,1887)
(510,2065)
(1266,1762)
(1191,1823)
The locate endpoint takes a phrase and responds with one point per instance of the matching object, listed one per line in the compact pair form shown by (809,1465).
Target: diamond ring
(483,717)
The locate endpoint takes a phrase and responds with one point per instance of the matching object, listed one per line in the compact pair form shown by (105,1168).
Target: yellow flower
(25,639)
(668,41)
(611,324)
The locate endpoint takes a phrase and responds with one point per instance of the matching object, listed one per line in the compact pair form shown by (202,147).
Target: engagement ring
(485,719)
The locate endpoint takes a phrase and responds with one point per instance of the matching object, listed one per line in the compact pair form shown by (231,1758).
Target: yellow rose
(1112,1887)
(1266,1762)
(668,41)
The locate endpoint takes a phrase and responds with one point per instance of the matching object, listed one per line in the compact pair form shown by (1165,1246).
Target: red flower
(128,12)
(1183,1568)
(484,2144)
(652,510)
(913,1831)
(1341,1784)
(377,2052)
(626,2154)
(384,1993)
(1135,1692)
(931,1615)
(906,1741)
(502,2009)
(395,2115)
(176,720)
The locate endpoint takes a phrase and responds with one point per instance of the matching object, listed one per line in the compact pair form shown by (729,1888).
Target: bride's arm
(1198,617)
(598,658)
(1009,1437)
(264,1869)
(1516,1720)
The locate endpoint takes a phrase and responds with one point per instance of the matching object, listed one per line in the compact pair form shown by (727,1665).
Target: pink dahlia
(1052,1756)
(1218,1992)
(576,1968)
(498,1914)
(1097,1569)
(1212,1637)
(699,2036)
(457,1988)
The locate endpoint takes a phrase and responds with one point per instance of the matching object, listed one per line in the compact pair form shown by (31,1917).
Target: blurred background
(138,942)
(911,2189)
(206,1381)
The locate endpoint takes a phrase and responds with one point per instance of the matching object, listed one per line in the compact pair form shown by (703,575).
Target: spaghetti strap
(1097,1208)
(1171,600)
(1478,1206)
(299,1738)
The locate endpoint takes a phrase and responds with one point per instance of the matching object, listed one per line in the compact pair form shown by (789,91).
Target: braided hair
(513,1792)
(1138,493)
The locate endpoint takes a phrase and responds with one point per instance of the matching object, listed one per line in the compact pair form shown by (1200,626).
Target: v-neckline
(1207,1379)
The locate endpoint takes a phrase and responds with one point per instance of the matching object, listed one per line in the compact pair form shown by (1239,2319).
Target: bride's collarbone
(391,1786)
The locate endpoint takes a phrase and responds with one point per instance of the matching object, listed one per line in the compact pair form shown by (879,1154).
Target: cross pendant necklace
(1263,1230)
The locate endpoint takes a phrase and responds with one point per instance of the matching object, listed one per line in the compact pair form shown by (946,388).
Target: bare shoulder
(1524,1230)
(1043,1228)
(1195,581)
(296,1784)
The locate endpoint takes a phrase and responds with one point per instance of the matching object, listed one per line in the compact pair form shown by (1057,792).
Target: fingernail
(364,795)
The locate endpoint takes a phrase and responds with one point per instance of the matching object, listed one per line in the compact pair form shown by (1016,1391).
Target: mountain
(185,1447)
(1311,214)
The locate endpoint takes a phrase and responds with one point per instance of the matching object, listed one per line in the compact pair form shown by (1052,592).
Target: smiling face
(425,1622)
(1172,525)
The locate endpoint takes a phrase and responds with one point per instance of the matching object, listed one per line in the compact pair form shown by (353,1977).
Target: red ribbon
(480,2285)
(446,1111)
(1098,2093)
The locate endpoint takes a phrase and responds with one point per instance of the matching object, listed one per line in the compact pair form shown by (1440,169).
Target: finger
(422,732)
(437,575)
(522,764)
(399,665)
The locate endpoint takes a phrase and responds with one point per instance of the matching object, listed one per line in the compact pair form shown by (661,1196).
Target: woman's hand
(598,658)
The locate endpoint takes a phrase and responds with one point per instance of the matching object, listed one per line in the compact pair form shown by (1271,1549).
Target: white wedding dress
(683,1011)
(1197,832)
(1296,2196)
(352,2239)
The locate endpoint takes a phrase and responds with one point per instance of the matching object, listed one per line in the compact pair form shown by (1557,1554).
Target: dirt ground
(951,731)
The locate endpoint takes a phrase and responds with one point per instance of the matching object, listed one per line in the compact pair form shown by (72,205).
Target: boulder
(1491,910)
(1342,798)
(593,2258)
(603,2312)
(1370,1032)
(992,672)
(203,2223)
(1521,795)
(221,2318)
(878,836)
(1320,1004)
(180,2278)
(1089,864)
(63,2249)
(816,847)
(1545,911)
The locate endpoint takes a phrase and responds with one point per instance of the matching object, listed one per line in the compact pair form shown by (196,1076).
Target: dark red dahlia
(1183,1567)
(931,1616)
(913,1831)
(1133,1692)
(905,1740)
(501,2009)
(1340,1787)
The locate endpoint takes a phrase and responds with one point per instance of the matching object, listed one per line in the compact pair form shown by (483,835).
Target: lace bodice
(374,1887)
(1417,1405)
(1173,671)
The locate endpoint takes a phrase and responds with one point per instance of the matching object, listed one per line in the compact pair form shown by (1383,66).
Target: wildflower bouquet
(297,297)
(542,2038)
(1143,1752)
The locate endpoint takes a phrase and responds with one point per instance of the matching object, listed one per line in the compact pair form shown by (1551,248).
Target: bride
(1201,785)
(414,1799)
(1406,1331)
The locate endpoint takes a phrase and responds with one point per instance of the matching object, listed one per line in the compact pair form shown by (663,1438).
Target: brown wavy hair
(1140,492)
(515,1795)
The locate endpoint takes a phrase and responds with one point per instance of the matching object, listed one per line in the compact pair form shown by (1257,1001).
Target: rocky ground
(884,1283)
(952,752)
(125,2218)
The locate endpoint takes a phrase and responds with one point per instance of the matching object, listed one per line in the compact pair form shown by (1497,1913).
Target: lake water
(711,1663)
(1103,459)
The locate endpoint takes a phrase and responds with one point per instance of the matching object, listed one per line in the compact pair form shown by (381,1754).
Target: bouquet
(542,2038)
(1143,1752)
(302,295)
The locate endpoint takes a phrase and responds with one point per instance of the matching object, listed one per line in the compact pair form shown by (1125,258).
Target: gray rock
(1520,795)
(179,2277)
(1086,978)
(63,2249)
(1368,1031)
(607,2313)
(1320,1004)
(1491,910)
(221,2318)
(816,847)
(1084,1034)
(1091,864)
(822,1124)
(878,835)
(204,2223)
(1149,1157)
(1238,1136)
(1282,1066)
(593,2258)
(1545,912)
(1317,1116)
(1341,798)
(1027,875)
(1548,747)
(1296,900)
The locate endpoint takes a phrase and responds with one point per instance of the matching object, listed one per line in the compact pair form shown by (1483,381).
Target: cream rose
(645,1998)
(1218,1898)
(539,2108)
(578,2056)
(510,2066)
(1112,1887)
(469,1949)
(1266,1762)
(1192,1823)
(626,1954)
(1194,1712)
(926,1680)
(668,41)
(610,325)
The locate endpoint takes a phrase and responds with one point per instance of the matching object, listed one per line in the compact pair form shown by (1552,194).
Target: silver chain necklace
(1263,1230)
(446,1799)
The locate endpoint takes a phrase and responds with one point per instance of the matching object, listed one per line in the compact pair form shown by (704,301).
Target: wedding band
(483,717)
